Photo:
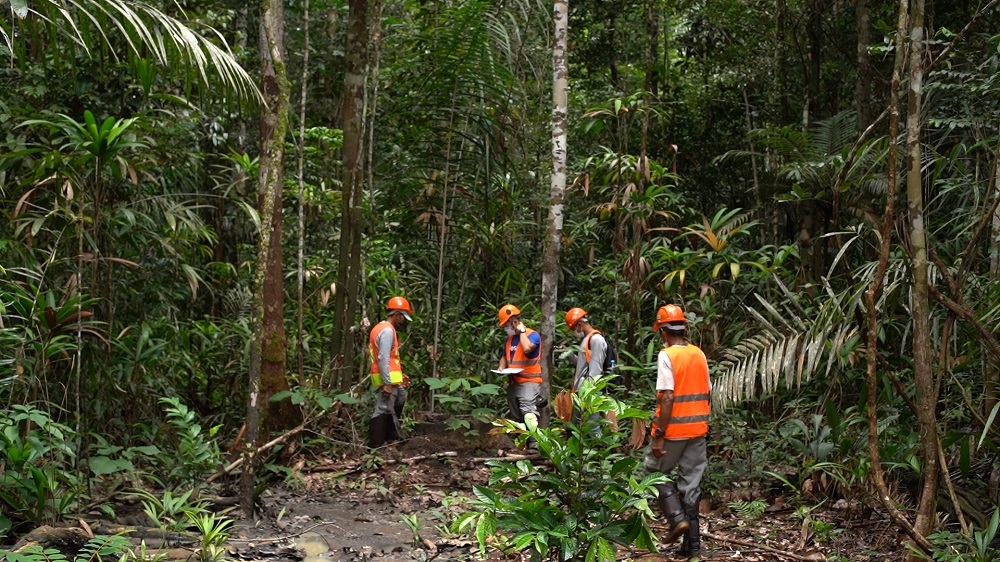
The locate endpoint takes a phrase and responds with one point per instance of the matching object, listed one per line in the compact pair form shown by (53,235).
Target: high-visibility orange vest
(532,368)
(586,345)
(689,416)
(395,367)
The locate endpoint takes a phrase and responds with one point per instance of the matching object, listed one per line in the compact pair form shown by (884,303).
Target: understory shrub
(582,500)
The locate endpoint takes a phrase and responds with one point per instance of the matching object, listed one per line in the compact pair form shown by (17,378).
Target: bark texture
(926,395)
(557,192)
(352,123)
(273,126)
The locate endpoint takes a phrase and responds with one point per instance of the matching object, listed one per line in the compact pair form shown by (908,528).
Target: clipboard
(507,371)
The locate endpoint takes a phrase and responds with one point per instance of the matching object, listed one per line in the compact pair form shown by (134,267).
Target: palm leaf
(795,348)
(145,30)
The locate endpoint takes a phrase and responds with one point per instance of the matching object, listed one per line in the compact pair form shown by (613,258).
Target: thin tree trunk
(274,127)
(274,124)
(780,16)
(377,56)
(349,270)
(652,52)
(300,277)
(926,398)
(758,196)
(871,352)
(862,88)
(557,193)
(442,245)
(992,374)
(814,31)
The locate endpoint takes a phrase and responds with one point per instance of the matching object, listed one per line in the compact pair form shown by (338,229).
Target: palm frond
(145,30)
(792,348)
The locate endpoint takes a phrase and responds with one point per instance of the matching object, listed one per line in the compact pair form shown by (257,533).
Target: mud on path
(355,508)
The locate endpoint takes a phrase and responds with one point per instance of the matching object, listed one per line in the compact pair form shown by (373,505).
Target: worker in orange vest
(522,351)
(590,363)
(387,375)
(680,427)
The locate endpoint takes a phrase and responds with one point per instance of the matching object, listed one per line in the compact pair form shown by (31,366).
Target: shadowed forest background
(197,193)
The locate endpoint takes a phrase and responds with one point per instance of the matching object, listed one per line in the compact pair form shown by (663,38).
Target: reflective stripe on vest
(532,367)
(395,367)
(691,408)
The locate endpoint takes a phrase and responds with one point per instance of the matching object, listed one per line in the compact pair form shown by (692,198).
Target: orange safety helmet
(506,311)
(669,314)
(400,304)
(573,316)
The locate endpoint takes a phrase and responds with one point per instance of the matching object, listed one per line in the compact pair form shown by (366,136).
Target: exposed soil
(354,508)
(343,511)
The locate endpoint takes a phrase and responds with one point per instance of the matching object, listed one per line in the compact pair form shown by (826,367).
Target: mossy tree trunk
(267,349)
(349,268)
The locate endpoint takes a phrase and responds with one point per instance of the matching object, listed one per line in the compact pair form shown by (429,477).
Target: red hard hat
(399,303)
(669,314)
(506,311)
(573,316)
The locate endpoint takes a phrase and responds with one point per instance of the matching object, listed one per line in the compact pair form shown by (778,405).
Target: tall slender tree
(926,391)
(352,123)
(557,193)
(273,126)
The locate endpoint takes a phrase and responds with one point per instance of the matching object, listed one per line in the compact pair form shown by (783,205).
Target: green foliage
(197,451)
(213,532)
(38,484)
(957,547)
(171,511)
(101,547)
(591,499)
(314,396)
(412,521)
(749,510)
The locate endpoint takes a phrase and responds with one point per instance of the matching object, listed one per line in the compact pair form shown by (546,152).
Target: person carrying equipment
(521,353)
(590,363)
(680,427)
(387,375)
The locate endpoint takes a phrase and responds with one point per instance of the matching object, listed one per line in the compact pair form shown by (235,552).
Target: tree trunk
(273,129)
(273,126)
(992,374)
(653,47)
(875,288)
(300,262)
(862,88)
(349,268)
(557,193)
(926,398)
(780,16)
(814,30)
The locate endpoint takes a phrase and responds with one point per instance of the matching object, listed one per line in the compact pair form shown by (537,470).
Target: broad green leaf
(101,465)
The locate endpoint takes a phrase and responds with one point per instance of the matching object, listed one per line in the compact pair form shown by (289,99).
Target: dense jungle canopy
(205,200)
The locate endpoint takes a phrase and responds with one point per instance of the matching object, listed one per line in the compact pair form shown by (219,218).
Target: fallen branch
(386,462)
(276,441)
(813,557)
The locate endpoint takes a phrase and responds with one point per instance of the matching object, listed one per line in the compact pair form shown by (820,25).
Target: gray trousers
(522,398)
(391,403)
(689,457)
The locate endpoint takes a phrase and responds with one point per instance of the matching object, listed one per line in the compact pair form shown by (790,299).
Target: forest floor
(396,504)
(355,509)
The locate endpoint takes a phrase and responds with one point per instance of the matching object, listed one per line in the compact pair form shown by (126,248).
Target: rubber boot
(673,512)
(378,430)
(691,547)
